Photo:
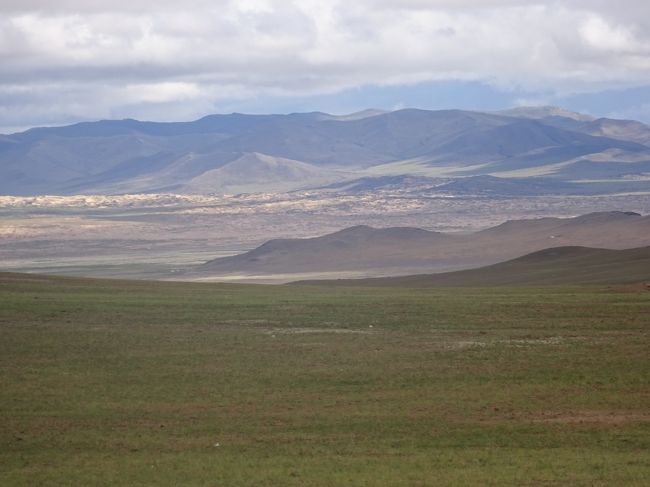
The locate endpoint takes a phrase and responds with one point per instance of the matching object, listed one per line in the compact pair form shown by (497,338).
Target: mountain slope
(121,156)
(556,266)
(545,112)
(618,129)
(521,137)
(257,172)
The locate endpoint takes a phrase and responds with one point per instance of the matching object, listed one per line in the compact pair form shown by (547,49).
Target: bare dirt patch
(304,331)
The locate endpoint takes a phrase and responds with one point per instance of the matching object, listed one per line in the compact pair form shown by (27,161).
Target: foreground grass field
(167,384)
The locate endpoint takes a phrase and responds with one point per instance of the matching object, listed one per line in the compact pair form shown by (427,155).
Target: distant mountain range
(541,150)
(556,266)
(399,251)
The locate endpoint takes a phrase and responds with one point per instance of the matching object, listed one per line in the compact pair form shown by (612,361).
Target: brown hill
(556,266)
(394,251)
(360,247)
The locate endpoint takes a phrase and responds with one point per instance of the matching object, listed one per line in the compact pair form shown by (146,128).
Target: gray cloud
(75,59)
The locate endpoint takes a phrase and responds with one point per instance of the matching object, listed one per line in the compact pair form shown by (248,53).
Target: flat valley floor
(110,383)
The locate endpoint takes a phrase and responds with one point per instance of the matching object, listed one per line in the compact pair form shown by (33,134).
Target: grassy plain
(133,383)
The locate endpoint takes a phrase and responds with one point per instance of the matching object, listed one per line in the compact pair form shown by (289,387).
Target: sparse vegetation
(142,383)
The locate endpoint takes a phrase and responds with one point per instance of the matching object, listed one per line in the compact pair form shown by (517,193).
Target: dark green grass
(133,383)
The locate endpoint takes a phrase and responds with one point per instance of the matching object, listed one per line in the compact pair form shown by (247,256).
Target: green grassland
(107,383)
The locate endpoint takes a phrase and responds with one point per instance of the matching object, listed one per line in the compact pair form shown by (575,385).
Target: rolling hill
(554,266)
(395,251)
(360,247)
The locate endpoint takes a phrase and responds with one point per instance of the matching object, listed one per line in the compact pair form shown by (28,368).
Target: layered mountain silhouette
(555,266)
(395,251)
(251,153)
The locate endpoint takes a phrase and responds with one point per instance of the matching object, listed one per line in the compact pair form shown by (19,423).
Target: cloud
(137,55)
(162,92)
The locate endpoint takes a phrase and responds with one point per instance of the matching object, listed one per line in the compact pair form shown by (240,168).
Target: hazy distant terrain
(229,154)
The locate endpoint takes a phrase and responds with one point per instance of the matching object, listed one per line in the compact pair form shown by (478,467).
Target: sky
(63,61)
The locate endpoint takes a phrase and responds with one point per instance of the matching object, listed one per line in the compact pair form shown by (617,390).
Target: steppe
(111,383)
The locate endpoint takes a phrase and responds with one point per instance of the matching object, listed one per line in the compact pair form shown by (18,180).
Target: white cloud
(140,54)
(162,92)
(601,35)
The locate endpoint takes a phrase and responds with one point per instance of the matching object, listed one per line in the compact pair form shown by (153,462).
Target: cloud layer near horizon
(85,59)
